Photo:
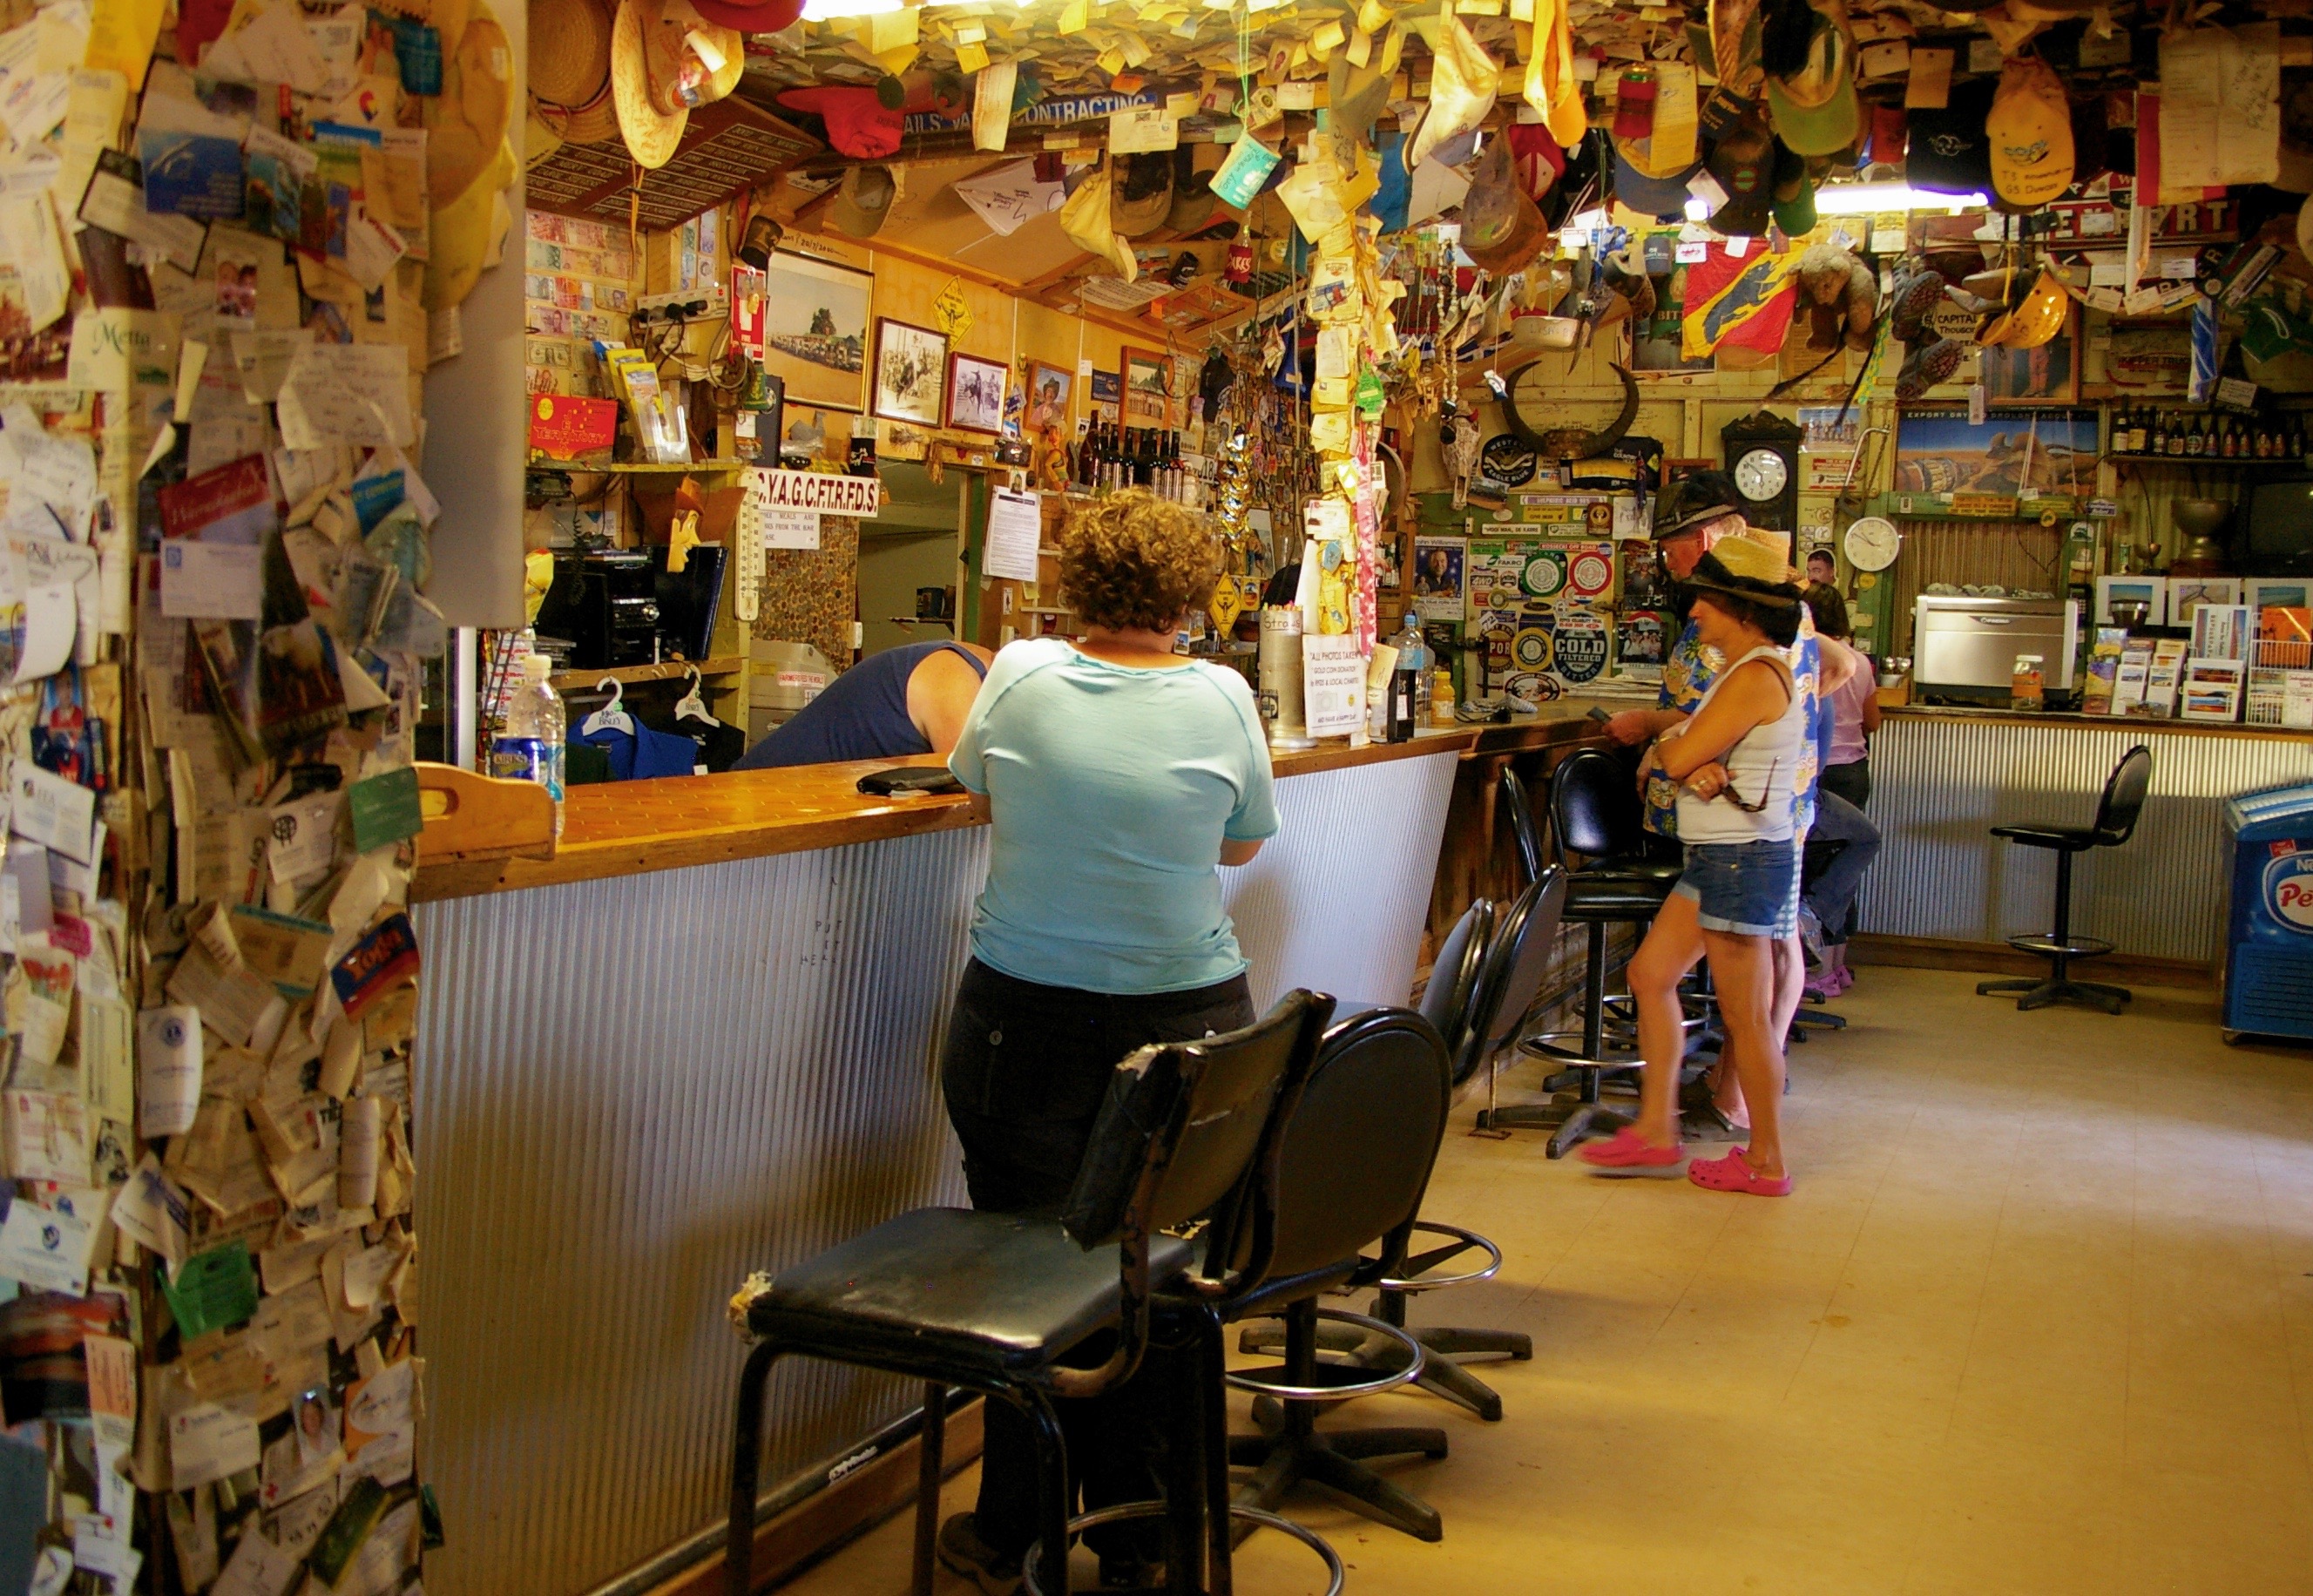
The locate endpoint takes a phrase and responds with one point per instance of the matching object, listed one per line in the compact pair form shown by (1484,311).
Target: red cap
(857,123)
(767,16)
(1539,160)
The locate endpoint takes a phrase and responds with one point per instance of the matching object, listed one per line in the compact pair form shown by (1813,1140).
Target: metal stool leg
(746,1460)
(930,1470)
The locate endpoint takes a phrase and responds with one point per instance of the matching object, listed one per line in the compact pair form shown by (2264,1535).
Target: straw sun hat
(666,61)
(570,69)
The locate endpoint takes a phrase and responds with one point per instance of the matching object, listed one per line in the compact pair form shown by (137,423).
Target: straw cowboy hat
(570,69)
(666,60)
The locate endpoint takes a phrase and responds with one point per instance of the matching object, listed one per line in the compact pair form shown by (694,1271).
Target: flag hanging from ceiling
(1746,300)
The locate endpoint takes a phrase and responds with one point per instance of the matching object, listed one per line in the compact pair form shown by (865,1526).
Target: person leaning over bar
(1115,775)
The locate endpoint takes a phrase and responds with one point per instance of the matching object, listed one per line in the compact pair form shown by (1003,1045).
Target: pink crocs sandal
(1626,1153)
(1733,1173)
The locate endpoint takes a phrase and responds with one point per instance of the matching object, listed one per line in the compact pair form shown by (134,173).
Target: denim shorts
(1745,889)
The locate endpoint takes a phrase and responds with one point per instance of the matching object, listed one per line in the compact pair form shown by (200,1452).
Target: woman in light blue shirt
(1116,775)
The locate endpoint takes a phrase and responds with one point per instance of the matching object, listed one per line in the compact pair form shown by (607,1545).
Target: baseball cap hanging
(864,200)
(749,16)
(1501,228)
(1949,151)
(1651,196)
(2031,129)
(858,124)
(1794,193)
(1743,163)
(1144,194)
(1815,109)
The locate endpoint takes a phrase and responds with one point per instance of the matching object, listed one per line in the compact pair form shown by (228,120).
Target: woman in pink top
(1851,714)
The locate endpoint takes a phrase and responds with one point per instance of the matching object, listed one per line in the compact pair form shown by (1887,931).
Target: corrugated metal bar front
(1939,784)
(631,1093)
(1337,900)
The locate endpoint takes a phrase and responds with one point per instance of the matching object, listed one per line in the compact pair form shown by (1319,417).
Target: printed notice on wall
(1334,685)
(1016,525)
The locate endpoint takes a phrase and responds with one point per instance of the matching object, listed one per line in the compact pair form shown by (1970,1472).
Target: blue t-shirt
(1112,790)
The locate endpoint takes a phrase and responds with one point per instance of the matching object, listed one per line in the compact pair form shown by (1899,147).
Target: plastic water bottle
(529,743)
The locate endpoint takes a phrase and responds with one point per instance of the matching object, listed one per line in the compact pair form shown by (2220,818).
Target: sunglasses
(1766,791)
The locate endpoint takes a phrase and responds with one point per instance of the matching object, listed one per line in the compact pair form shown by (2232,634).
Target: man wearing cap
(1700,512)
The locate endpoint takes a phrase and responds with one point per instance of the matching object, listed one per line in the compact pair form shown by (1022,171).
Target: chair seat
(953,1288)
(2071,839)
(1616,897)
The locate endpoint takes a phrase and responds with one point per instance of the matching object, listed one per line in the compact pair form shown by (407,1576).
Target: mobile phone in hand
(1598,713)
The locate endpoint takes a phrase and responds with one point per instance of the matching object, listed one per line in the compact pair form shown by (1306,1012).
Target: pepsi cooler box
(2269,920)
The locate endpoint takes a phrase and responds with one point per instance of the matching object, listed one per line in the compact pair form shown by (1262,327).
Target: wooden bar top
(624,828)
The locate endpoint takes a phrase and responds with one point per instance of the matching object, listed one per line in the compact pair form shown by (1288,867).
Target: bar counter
(702,1040)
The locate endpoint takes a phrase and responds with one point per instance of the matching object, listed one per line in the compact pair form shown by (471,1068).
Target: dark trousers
(1851,781)
(1025,1073)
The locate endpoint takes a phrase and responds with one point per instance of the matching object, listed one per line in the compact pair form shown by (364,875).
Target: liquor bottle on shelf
(2192,438)
(2160,434)
(2227,447)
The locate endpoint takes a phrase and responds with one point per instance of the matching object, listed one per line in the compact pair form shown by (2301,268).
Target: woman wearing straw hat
(1730,764)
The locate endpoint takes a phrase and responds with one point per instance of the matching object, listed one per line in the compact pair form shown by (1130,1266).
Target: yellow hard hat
(2039,317)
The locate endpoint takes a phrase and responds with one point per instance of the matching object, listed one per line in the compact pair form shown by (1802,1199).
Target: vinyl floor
(2037,1318)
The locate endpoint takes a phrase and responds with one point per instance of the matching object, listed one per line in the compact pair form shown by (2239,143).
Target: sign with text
(822,490)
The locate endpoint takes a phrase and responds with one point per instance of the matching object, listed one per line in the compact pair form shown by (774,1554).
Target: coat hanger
(612,716)
(691,706)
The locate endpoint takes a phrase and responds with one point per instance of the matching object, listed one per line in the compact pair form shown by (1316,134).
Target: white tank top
(1764,762)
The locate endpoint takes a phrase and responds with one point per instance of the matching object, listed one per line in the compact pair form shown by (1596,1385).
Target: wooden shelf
(2280,462)
(622,468)
(630,674)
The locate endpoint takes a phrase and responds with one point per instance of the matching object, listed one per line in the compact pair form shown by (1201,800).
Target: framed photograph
(2187,593)
(910,371)
(1147,388)
(975,394)
(2049,375)
(1049,388)
(814,331)
(2151,592)
(2293,592)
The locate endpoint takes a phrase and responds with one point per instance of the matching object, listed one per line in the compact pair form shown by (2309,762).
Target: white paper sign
(1016,525)
(45,1247)
(789,529)
(355,393)
(1333,685)
(53,812)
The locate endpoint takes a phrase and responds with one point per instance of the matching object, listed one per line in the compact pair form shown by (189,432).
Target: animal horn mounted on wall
(1575,443)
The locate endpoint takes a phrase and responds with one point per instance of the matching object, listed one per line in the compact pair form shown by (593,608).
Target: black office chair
(1355,1156)
(997,1301)
(1611,879)
(1486,976)
(2116,821)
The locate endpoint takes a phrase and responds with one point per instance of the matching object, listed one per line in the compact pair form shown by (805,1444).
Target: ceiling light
(1859,200)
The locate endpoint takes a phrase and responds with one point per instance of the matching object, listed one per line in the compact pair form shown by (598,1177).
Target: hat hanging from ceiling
(1734,35)
(1814,107)
(1539,159)
(690,61)
(1794,192)
(1664,197)
(1193,203)
(1355,95)
(1949,151)
(1743,163)
(1501,229)
(749,16)
(858,124)
(652,134)
(1143,196)
(570,69)
(1085,218)
(2031,132)
(863,200)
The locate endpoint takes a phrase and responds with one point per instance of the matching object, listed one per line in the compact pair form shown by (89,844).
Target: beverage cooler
(2269,915)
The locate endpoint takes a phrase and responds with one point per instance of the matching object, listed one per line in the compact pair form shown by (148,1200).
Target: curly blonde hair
(1135,562)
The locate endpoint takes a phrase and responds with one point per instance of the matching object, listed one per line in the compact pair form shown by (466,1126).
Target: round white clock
(1872,543)
(1760,475)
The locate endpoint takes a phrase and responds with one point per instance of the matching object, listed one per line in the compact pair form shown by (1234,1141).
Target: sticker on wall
(1544,576)
(1579,647)
(1530,648)
(1590,571)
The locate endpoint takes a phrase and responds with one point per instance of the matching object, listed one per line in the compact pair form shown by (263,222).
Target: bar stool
(1355,1159)
(1595,817)
(2116,821)
(995,1301)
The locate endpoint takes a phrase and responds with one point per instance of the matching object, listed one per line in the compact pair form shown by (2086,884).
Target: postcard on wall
(1440,573)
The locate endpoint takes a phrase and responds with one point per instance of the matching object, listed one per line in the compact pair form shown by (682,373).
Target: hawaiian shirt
(1689,668)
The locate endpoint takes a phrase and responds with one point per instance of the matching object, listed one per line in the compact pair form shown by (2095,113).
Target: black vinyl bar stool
(1611,880)
(1486,977)
(997,1301)
(2116,821)
(1355,1159)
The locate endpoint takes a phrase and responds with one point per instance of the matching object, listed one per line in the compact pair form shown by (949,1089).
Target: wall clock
(1761,452)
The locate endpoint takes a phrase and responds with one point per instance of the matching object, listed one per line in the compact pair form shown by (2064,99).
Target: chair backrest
(1524,826)
(1355,1153)
(2123,798)
(1517,960)
(1453,975)
(1594,808)
(1183,1123)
